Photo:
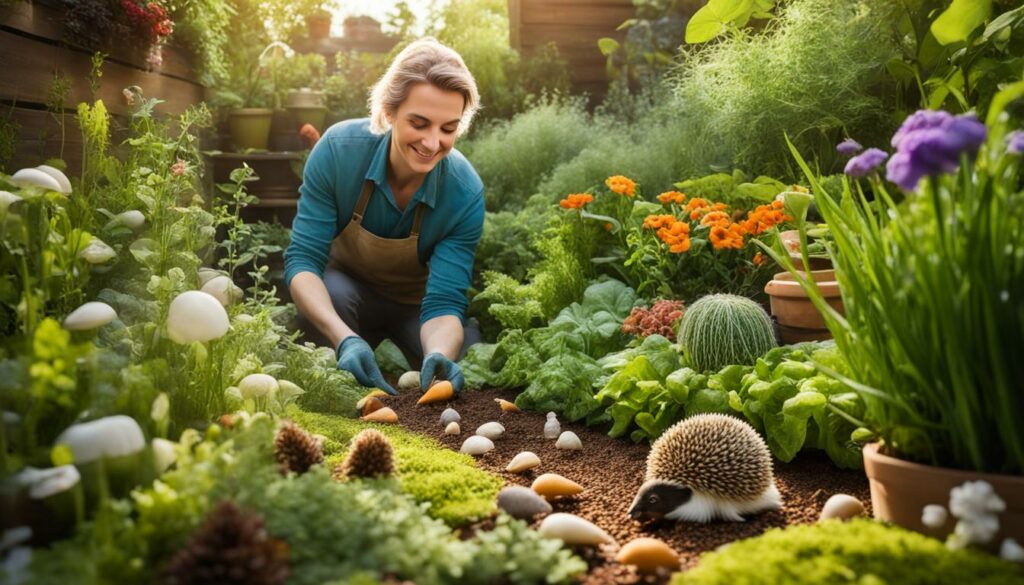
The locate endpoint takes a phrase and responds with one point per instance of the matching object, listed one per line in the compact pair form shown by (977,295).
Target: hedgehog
(705,467)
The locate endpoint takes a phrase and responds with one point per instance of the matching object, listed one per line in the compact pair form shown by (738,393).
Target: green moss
(458,492)
(859,551)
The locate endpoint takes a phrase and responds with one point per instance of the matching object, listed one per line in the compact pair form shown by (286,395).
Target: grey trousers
(375,318)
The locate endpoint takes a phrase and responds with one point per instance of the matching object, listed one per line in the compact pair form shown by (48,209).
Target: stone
(573,530)
(523,461)
(382,415)
(552,485)
(841,507)
(491,430)
(409,381)
(522,503)
(449,416)
(452,428)
(477,445)
(569,440)
(552,428)
(648,554)
(506,406)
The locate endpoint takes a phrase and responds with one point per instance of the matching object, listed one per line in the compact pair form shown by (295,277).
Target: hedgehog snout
(656,498)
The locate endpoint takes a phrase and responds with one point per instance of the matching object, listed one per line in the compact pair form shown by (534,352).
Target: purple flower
(849,147)
(929,143)
(865,163)
(1015,142)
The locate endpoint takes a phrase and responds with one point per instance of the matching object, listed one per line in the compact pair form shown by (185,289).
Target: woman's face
(423,128)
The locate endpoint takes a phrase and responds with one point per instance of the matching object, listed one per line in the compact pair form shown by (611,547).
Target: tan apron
(389,266)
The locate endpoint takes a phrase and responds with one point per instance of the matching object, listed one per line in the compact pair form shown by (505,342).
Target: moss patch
(861,551)
(458,491)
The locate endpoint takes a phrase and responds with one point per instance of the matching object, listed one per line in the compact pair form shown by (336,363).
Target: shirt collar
(377,172)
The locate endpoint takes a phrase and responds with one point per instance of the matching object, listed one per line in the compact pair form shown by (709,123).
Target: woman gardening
(388,222)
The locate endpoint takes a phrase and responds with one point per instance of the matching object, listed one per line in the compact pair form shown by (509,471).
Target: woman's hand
(437,365)
(355,355)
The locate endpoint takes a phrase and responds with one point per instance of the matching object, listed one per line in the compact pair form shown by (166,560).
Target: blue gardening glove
(437,365)
(355,355)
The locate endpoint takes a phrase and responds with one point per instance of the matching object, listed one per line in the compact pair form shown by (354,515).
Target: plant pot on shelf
(799,320)
(306,106)
(319,25)
(284,134)
(250,127)
(901,489)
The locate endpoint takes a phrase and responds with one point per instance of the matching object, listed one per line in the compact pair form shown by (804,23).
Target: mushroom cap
(223,289)
(112,436)
(36,178)
(97,251)
(491,430)
(452,428)
(449,416)
(89,316)
(7,199)
(57,175)
(569,440)
(841,507)
(132,219)
(477,445)
(258,386)
(196,316)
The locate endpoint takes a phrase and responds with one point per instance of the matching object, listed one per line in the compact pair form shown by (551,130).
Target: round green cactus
(721,330)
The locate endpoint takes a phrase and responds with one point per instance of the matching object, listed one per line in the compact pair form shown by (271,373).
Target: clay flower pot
(250,127)
(901,489)
(306,106)
(799,320)
(791,239)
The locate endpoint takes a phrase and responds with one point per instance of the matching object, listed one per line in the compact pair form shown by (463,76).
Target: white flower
(7,199)
(16,565)
(43,483)
(111,436)
(97,252)
(974,498)
(160,408)
(196,316)
(164,454)
(934,516)
(89,316)
(1011,551)
(979,529)
(258,386)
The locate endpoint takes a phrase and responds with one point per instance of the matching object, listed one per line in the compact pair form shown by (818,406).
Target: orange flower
(722,237)
(621,185)
(764,217)
(672,197)
(653,222)
(676,237)
(758,259)
(716,218)
(719,207)
(576,201)
(608,227)
(696,203)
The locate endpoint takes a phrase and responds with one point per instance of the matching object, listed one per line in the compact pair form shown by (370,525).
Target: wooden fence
(33,54)
(575,26)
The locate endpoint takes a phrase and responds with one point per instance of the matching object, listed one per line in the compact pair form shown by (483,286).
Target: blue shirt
(346,156)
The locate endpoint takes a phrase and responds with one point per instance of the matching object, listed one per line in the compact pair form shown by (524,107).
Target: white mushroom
(477,445)
(58,175)
(205,274)
(258,386)
(569,440)
(90,316)
(97,251)
(35,178)
(841,507)
(223,289)
(164,454)
(572,529)
(491,430)
(112,436)
(132,219)
(196,316)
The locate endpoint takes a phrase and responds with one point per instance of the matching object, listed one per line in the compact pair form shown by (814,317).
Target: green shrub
(857,552)
(816,73)
(514,156)
(458,492)
(721,330)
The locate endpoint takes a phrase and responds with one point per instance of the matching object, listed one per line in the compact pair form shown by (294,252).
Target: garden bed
(611,470)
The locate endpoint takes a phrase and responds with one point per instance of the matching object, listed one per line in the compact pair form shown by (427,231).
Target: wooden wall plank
(47,22)
(30,67)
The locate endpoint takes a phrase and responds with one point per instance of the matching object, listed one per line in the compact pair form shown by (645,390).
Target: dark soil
(612,470)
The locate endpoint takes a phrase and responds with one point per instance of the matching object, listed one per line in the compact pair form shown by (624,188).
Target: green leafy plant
(718,16)
(858,551)
(936,371)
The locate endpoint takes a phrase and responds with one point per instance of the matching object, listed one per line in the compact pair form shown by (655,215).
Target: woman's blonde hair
(423,61)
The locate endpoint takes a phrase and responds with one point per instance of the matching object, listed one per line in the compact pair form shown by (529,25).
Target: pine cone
(230,547)
(296,450)
(370,455)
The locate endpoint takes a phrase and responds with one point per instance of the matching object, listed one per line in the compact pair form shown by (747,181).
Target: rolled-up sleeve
(451,265)
(316,222)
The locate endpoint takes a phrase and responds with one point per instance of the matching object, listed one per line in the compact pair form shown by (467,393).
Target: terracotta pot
(901,489)
(799,320)
(250,127)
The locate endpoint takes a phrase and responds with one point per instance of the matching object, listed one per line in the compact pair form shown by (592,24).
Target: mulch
(612,470)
